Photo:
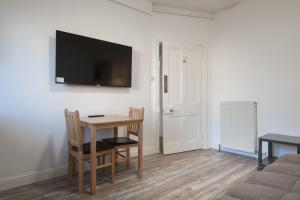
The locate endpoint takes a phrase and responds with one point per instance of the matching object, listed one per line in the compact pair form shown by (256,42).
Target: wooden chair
(78,152)
(123,144)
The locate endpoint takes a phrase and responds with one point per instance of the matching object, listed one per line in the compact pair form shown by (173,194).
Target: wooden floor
(203,174)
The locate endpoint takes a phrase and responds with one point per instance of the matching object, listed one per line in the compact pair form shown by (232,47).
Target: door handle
(165,84)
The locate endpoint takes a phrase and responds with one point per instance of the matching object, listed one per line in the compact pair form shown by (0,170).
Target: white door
(182,97)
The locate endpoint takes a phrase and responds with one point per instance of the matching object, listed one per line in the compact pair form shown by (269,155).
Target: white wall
(255,52)
(180,28)
(254,58)
(166,27)
(32,127)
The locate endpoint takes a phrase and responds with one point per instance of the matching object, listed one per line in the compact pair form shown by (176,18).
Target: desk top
(280,138)
(110,119)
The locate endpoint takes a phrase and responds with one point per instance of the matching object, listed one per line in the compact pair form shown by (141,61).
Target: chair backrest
(136,113)
(73,129)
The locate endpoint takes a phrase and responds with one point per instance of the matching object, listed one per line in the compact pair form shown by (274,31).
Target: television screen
(87,61)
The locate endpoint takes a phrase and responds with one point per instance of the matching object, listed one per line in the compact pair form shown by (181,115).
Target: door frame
(155,93)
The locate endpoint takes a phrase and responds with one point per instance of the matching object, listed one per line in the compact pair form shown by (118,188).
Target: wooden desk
(275,138)
(111,122)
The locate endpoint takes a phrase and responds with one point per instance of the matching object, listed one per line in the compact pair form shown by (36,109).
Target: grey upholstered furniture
(278,181)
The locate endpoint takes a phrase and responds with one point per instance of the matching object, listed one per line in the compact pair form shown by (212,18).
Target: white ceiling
(207,6)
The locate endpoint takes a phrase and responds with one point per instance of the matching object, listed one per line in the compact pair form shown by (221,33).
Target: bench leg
(260,164)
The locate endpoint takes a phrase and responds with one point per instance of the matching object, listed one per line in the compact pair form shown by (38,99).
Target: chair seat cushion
(100,146)
(118,141)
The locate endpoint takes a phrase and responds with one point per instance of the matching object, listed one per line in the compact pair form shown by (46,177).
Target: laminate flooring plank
(200,174)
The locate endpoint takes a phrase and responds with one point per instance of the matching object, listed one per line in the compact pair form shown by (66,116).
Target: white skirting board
(242,153)
(16,181)
(239,127)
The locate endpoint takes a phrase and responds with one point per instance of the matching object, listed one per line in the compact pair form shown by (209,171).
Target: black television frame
(97,85)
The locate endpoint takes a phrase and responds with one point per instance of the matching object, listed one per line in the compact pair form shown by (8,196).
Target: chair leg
(127,152)
(103,159)
(128,156)
(99,160)
(70,168)
(113,169)
(74,165)
(116,156)
(80,175)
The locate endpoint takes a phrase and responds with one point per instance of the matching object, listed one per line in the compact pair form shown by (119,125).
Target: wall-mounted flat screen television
(87,61)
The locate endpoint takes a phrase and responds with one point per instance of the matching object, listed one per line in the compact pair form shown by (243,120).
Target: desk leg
(260,165)
(140,151)
(93,160)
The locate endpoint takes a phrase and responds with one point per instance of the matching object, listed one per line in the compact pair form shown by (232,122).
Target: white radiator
(239,126)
